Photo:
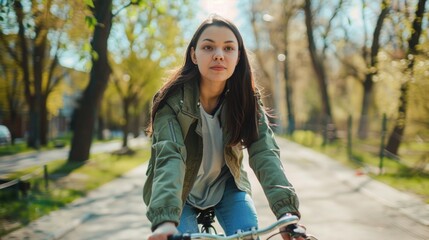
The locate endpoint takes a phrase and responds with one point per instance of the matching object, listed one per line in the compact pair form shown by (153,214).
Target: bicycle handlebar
(282,222)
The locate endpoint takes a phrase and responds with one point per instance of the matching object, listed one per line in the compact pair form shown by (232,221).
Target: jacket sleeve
(169,155)
(264,159)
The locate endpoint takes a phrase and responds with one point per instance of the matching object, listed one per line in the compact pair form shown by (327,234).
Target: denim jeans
(235,211)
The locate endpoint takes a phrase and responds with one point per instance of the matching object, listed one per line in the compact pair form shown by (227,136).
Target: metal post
(383,136)
(349,138)
(45,176)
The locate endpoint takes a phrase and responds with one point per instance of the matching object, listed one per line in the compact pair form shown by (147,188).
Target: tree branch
(8,48)
(123,7)
(328,28)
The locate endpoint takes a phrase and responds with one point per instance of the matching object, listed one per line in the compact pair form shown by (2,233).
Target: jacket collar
(190,100)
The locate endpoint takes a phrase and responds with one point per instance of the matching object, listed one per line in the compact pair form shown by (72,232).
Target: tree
(261,49)
(85,114)
(11,93)
(395,137)
(317,60)
(276,23)
(370,58)
(36,50)
(289,10)
(148,52)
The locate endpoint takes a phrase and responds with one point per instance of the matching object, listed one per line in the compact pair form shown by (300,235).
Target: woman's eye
(229,49)
(207,48)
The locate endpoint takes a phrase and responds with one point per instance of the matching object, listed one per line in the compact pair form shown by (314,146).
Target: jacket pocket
(172,132)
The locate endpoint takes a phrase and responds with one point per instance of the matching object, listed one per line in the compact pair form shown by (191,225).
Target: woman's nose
(218,54)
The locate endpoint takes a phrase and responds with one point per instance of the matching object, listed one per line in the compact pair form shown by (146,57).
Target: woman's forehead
(220,34)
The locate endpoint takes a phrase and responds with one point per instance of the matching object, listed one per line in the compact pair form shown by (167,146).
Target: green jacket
(177,152)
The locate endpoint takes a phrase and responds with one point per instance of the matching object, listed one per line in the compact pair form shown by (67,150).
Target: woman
(202,119)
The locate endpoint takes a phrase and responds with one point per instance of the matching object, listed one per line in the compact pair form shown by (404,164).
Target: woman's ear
(193,56)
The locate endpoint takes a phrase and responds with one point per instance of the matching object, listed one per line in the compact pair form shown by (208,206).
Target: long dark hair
(241,99)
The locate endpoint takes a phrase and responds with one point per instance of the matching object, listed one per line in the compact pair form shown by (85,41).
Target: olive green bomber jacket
(177,153)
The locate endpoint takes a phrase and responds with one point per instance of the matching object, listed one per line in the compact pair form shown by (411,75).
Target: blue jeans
(235,211)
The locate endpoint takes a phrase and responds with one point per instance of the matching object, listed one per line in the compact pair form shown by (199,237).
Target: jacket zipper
(170,125)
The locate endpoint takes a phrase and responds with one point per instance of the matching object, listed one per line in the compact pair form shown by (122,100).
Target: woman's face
(216,54)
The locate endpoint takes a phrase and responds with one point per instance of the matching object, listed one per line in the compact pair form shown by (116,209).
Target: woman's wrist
(166,224)
(288,215)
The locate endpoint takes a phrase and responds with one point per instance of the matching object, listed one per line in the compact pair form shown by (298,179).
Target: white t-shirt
(210,183)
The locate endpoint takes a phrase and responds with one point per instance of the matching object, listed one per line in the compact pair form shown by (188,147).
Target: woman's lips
(218,68)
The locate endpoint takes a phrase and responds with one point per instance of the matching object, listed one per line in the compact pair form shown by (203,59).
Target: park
(346,79)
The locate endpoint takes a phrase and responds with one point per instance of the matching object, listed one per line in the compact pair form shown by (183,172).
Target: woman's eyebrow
(210,40)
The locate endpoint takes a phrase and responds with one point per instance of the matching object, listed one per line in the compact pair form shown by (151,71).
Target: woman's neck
(209,95)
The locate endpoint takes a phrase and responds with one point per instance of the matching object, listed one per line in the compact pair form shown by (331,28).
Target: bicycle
(208,231)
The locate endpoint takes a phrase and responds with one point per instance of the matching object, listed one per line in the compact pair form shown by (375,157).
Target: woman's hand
(286,231)
(288,236)
(163,231)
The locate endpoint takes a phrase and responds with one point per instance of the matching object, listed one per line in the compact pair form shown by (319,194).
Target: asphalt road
(331,207)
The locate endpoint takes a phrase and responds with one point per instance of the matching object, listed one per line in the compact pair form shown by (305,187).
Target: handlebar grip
(179,237)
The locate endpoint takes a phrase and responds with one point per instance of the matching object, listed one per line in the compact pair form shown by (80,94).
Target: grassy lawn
(405,174)
(66,182)
(14,149)
(21,146)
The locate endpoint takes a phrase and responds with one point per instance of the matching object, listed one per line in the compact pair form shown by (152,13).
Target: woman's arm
(168,165)
(264,159)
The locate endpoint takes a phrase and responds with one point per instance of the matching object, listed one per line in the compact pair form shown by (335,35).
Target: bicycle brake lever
(296,231)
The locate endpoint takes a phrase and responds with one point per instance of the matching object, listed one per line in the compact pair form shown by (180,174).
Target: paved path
(335,204)
(13,163)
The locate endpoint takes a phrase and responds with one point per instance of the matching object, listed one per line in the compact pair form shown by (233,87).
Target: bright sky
(229,9)
(225,8)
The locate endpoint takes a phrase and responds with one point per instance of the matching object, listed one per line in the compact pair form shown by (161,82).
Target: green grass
(14,149)
(21,147)
(67,182)
(404,175)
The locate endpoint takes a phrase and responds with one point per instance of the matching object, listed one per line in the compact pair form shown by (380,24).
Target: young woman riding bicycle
(201,120)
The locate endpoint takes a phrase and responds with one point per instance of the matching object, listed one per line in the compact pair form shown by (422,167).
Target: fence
(21,185)
(414,151)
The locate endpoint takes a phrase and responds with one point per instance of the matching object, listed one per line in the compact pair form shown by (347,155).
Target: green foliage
(89,3)
(91,22)
(407,180)
(31,69)
(147,42)
(307,138)
(14,149)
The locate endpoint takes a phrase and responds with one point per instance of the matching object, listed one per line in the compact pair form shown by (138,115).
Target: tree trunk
(396,136)
(289,99)
(372,66)
(44,122)
(366,101)
(32,139)
(125,127)
(100,127)
(260,58)
(320,73)
(39,54)
(24,55)
(86,112)
(288,11)
(135,126)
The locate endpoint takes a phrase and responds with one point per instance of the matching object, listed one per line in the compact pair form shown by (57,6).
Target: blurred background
(347,77)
